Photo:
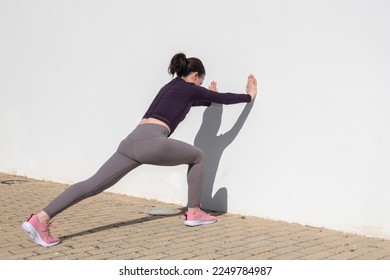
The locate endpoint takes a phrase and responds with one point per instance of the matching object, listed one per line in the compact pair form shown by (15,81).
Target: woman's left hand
(213,86)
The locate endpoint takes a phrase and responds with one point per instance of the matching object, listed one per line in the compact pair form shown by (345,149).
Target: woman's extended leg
(110,173)
(37,226)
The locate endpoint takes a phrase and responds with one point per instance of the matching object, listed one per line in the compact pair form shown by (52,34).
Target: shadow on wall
(213,146)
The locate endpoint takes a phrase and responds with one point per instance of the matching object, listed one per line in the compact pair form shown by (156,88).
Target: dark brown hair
(183,66)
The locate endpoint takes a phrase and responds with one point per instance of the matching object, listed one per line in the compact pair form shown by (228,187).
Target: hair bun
(182,66)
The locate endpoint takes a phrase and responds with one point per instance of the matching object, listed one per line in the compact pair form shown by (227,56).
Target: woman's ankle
(43,218)
(192,210)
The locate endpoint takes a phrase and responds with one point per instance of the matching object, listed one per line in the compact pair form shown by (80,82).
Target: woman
(149,143)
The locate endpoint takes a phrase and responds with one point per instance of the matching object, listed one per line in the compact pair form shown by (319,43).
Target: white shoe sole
(198,223)
(34,235)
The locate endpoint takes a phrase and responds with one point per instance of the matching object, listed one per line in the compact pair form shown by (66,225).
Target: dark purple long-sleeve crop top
(175,99)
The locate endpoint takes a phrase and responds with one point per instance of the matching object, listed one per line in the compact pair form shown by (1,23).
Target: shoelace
(203,214)
(47,227)
(47,231)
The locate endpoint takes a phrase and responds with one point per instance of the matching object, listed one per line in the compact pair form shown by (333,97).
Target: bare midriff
(155,121)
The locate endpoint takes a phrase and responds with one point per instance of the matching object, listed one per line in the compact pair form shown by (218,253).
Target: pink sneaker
(39,232)
(198,218)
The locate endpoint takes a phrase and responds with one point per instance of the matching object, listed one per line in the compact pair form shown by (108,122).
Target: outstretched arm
(213,96)
(251,86)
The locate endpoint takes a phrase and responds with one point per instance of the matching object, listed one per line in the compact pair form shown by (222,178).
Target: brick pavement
(116,227)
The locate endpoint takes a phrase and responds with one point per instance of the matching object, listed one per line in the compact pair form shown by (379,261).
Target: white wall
(76,77)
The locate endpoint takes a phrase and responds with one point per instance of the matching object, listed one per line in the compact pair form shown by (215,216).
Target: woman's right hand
(213,86)
(251,86)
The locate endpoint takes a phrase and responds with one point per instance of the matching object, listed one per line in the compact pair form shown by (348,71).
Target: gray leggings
(147,144)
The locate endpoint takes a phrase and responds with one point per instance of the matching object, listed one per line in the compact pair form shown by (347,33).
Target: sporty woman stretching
(149,143)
